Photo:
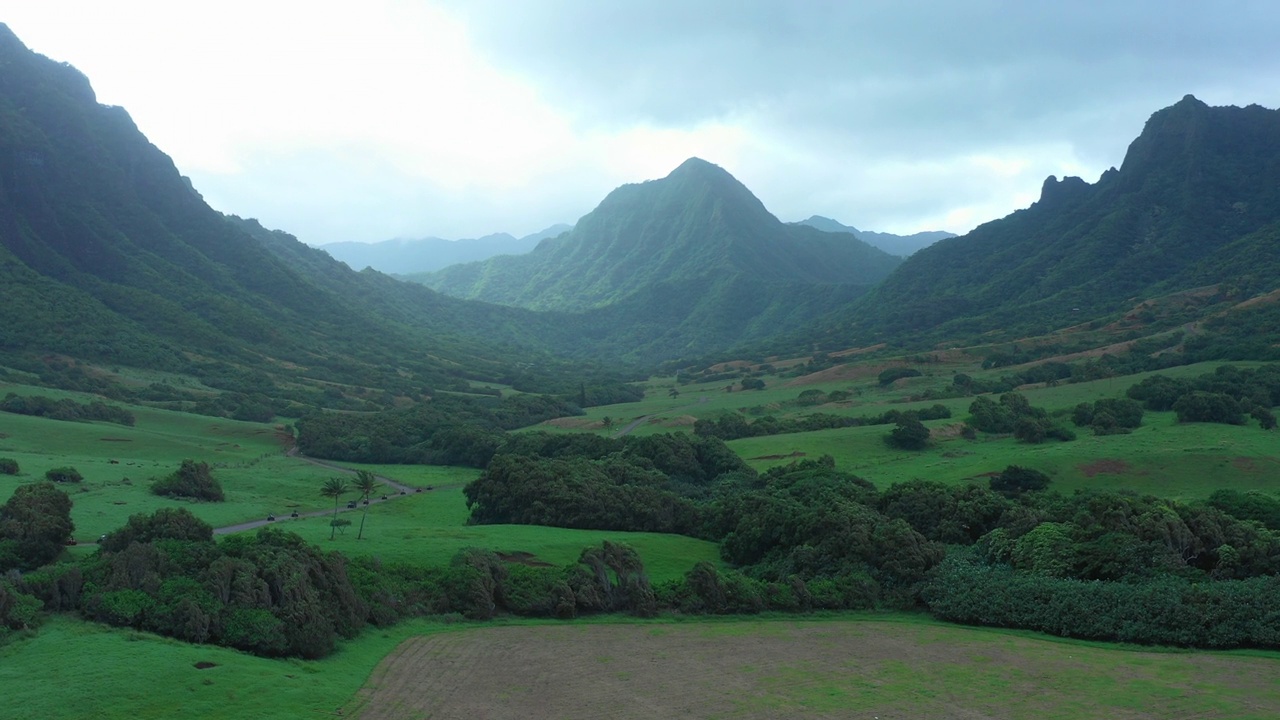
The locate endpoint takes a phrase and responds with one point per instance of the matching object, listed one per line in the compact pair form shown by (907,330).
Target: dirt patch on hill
(1104,466)
(111,439)
(570,423)
(519,557)
(680,421)
(844,372)
(762,670)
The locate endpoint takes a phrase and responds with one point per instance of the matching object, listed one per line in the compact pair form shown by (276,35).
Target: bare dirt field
(821,669)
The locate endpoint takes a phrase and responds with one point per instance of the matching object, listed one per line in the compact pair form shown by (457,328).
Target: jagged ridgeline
(1195,203)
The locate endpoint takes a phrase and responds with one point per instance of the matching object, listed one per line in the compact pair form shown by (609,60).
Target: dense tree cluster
(65,409)
(732,426)
(447,430)
(1227,395)
(1014,414)
(1109,416)
(35,523)
(191,480)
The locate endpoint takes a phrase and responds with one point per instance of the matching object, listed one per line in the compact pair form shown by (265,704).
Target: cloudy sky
(458,118)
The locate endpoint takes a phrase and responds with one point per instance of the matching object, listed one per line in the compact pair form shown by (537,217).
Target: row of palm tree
(366,483)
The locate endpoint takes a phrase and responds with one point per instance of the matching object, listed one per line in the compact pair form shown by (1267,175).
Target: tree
(366,483)
(606,422)
(1016,480)
(335,488)
(910,434)
(35,524)
(63,474)
(192,480)
(8,466)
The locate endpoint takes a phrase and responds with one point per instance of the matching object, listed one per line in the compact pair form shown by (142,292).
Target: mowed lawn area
(854,666)
(756,670)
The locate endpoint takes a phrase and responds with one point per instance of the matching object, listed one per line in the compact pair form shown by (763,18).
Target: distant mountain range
(900,245)
(407,256)
(108,255)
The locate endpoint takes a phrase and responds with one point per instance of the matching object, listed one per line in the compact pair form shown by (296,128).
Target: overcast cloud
(459,118)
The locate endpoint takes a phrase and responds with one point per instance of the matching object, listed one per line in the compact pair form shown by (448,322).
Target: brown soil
(844,372)
(115,440)
(754,671)
(679,421)
(520,557)
(1099,467)
(205,665)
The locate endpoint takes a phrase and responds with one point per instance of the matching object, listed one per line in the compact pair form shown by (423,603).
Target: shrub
(888,377)
(1016,480)
(8,466)
(63,474)
(192,480)
(910,434)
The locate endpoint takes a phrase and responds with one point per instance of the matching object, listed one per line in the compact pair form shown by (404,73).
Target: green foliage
(1013,414)
(63,475)
(752,384)
(35,524)
(1016,480)
(733,426)
(191,480)
(1161,611)
(1108,416)
(908,434)
(1199,406)
(888,377)
(163,524)
(446,431)
(65,409)
(8,466)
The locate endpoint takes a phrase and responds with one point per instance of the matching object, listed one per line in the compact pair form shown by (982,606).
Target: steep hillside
(1196,202)
(698,224)
(405,257)
(900,245)
(107,254)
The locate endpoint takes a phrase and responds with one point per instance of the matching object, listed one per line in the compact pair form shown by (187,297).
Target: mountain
(900,245)
(107,254)
(402,256)
(697,225)
(1196,202)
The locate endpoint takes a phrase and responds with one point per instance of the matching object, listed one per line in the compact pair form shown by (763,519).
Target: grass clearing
(429,528)
(765,669)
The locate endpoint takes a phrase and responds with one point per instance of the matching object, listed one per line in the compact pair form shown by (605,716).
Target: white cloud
(337,121)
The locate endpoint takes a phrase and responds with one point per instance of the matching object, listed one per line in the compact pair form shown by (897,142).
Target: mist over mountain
(900,245)
(403,256)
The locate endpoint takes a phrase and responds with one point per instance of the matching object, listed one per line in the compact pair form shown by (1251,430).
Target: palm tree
(365,484)
(335,488)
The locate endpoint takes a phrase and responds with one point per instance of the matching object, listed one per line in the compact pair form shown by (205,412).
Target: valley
(679,453)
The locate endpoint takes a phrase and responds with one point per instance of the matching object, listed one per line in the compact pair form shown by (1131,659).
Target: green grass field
(109,674)
(430,528)
(1162,457)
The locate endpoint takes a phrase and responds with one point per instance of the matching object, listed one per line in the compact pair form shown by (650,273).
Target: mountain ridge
(900,245)
(404,256)
(697,222)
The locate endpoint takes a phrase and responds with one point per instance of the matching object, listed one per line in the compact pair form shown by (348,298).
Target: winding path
(402,490)
(637,422)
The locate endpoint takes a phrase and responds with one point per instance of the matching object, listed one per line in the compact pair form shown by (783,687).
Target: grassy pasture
(430,528)
(753,669)
(1162,457)
(842,665)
